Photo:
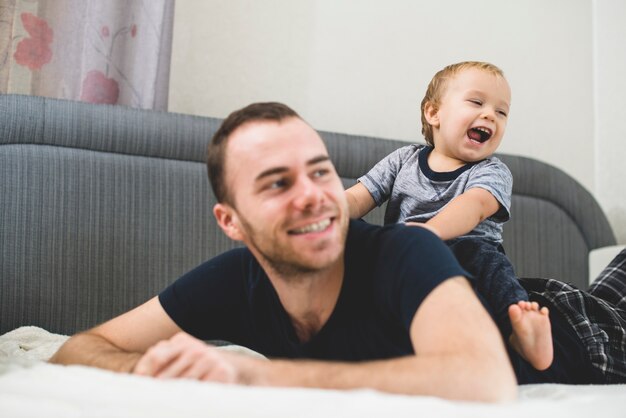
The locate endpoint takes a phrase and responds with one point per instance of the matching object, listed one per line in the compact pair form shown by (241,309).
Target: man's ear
(228,220)
(431,114)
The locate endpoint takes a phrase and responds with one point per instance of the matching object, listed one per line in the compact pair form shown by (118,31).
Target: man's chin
(301,264)
(298,255)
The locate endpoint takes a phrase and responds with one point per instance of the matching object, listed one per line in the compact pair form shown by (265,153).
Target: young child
(455,187)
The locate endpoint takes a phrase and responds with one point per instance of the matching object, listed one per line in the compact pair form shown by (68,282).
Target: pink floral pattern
(98,88)
(34,52)
(112,59)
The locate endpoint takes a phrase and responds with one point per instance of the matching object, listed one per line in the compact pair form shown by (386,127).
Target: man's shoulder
(227,265)
(236,255)
(401,263)
(398,246)
(388,238)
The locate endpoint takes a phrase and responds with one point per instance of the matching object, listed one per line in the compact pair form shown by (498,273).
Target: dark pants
(494,276)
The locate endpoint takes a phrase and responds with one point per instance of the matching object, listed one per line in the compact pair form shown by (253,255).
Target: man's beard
(282,259)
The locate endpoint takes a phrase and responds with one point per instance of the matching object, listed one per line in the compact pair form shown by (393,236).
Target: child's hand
(425,226)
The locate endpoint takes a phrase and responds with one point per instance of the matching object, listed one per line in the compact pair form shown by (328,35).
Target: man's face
(288,204)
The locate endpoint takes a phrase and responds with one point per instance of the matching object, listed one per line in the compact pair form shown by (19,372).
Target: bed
(103,206)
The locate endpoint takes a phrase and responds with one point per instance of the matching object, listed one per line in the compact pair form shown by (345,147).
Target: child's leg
(523,324)
(494,276)
(532,333)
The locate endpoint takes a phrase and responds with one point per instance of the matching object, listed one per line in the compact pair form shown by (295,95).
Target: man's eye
(278,184)
(320,173)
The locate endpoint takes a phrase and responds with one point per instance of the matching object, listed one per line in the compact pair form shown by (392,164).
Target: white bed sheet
(29,387)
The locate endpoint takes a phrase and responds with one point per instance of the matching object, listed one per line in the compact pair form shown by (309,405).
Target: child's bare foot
(532,334)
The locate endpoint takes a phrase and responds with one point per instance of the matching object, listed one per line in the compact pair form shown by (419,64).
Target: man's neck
(309,299)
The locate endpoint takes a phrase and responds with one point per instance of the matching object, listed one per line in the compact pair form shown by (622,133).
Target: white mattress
(29,387)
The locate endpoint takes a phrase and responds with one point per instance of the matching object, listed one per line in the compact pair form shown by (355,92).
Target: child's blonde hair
(437,87)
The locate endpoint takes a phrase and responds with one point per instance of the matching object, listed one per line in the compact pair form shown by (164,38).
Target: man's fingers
(185,364)
(213,368)
(202,363)
(183,356)
(176,368)
(157,358)
(148,364)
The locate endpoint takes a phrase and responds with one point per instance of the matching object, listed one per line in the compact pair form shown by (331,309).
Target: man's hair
(216,152)
(437,87)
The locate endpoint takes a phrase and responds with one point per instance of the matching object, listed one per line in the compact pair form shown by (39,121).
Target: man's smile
(312,227)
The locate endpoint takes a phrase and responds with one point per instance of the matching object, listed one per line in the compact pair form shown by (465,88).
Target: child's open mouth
(479,134)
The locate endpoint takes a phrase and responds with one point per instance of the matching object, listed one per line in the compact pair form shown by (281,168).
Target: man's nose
(308,194)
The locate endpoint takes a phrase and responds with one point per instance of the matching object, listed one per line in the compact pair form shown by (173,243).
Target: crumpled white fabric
(26,346)
(30,387)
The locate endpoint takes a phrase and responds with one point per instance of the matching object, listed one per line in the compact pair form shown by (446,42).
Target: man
(383,308)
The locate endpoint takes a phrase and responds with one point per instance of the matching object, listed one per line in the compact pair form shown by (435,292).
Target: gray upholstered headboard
(102,206)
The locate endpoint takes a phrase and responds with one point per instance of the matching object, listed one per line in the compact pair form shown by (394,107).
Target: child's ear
(431,114)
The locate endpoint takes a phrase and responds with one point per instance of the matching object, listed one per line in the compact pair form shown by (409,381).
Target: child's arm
(360,201)
(462,214)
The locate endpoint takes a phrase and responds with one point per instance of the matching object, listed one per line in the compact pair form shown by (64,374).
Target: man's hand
(184,356)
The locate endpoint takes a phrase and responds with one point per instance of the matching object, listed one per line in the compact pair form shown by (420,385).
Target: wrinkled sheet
(30,387)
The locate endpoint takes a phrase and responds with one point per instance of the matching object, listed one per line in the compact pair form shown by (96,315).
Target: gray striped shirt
(416,193)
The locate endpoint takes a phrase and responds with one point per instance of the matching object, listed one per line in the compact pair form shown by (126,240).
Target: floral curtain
(99,51)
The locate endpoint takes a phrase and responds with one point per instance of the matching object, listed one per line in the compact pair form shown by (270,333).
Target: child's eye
(503,113)
(475,101)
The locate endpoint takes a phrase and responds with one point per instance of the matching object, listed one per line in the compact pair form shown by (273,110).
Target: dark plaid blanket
(598,315)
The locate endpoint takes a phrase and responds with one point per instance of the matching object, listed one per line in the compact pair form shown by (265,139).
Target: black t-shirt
(389,271)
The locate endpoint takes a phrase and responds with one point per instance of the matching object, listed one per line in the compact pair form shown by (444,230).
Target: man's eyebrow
(279,170)
(270,172)
(318,159)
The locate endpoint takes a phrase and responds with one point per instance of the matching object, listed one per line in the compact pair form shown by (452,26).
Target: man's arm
(360,201)
(462,214)
(119,343)
(459,355)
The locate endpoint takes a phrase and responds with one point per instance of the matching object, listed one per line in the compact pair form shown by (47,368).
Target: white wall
(361,67)
(610,110)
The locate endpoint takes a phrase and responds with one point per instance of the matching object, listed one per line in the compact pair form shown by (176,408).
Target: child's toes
(515,313)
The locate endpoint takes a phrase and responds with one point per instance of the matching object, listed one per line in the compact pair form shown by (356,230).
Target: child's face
(472,116)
